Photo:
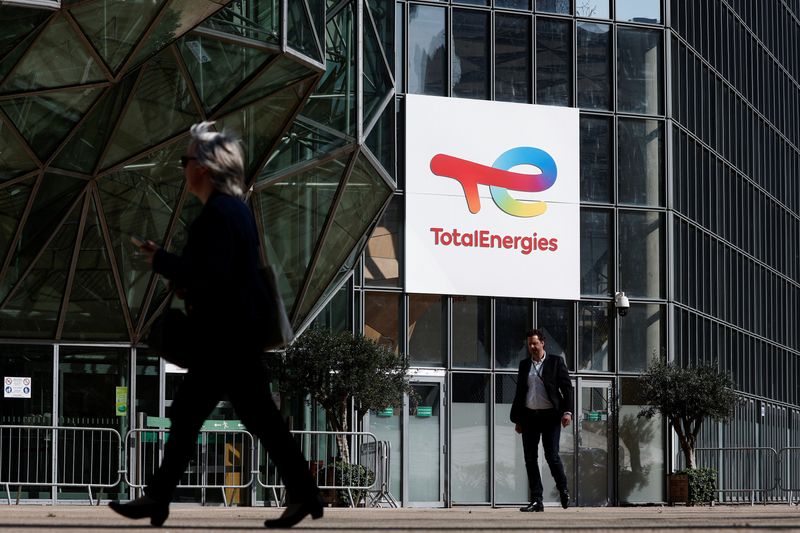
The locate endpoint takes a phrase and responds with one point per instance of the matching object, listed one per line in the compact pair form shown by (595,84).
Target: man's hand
(517,428)
(566,420)
(149,249)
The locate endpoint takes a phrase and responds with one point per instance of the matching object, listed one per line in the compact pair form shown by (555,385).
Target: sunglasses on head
(185,160)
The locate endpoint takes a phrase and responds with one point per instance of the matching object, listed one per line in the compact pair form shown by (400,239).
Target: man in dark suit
(542,405)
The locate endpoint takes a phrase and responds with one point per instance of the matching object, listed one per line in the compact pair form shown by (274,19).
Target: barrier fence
(229,460)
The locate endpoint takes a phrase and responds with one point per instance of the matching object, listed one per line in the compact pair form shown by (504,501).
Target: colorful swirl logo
(499,179)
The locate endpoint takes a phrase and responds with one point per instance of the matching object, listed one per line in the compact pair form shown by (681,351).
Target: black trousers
(238,373)
(544,424)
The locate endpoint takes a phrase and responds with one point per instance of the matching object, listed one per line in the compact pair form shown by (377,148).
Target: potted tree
(338,370)
(686,397)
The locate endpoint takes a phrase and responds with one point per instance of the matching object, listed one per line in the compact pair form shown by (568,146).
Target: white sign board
(16,387)
(492,199)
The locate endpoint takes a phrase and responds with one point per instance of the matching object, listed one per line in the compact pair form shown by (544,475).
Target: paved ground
(34,518)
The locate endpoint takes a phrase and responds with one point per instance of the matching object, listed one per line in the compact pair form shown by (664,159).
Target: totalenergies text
(526,244)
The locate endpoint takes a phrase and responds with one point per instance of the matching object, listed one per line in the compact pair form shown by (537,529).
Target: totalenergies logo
(500,179)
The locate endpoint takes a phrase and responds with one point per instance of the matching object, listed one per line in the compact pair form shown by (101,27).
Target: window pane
(427,328)
(596,159)
(594,66)
(554,318)
(381,257)
(513,318)
(510,481)
(470,64)
(597,9)
(512,69)
(513,4)
(595,252)
(427,57)
(553,62)
(639,11)
(470,437)
(554,6)
(471,331)
(36,363)
(399,56)
(641,449)
(641,162)
(641,337)
(641,250)
(594,331)
(382,314)
(639,71)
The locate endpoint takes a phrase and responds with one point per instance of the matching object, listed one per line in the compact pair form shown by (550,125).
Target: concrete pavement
(36,518)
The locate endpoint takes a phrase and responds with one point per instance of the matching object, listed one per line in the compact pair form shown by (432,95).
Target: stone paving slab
(45,518)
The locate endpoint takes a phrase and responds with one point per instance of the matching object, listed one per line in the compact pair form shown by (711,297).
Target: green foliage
(702,484)
(347,474)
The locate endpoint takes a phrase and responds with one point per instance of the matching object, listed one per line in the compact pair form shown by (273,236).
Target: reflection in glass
(471,331)
(513,318)
(594,65)
(510,480)
(641,162)
(512,58)
(300,32)
(553,62)
(35,362)
(470,49)
(337,314)
(639,71)
(554,6)
(13,200)
(382,255)
(641,253)
(594,336)
(641,451)
(381,140)
(399,53)
(641,337)
(639,10)
(597,9)
(513,4)
(596,158)
(554,318)
(383,318)
(259,21)
(593,444)
(595,252)
(13,159)
(148,365)
(424,445)
(377,78)
(427,330)
(385,426)
(427,56)
(469,425)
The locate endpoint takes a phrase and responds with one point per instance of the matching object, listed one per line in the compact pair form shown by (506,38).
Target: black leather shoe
(295,512)
(564,498)
(533,507)
(144,507)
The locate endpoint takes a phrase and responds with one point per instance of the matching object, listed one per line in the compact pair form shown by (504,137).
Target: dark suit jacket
(556,383)
(219,270)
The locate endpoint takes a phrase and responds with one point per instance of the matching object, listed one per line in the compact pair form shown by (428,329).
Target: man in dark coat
(542,405)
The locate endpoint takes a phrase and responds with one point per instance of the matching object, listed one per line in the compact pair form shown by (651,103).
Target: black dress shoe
(564,499)
(533,507)
(144,507)
(295,512)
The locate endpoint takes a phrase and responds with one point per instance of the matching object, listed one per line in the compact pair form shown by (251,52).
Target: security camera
(621,303)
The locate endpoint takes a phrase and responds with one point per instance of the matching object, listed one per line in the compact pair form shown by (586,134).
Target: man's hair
(221,153)
(537,332)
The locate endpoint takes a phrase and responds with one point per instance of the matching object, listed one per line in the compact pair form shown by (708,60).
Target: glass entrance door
(425,444)
(594,426)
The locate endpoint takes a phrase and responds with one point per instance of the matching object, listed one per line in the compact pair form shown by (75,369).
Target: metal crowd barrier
(58,456)
(743,472)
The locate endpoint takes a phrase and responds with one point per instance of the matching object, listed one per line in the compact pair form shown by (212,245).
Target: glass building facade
(690,203)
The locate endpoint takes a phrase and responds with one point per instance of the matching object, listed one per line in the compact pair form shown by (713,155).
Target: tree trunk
(341,440)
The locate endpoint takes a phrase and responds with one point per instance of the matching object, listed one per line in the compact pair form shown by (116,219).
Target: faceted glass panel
(641,337)
(178,17)
(427,53)
(217,67)
(594,65)
(639,71)
(381,139)
(472,335)
(18,22)
(94,310)
(160,107)
(595,252)
(596,158)
(33,310)
(53,202)
(383,252)
(46,119)
(293,213)
(377,76)
(13,200)
(57,59)
(641,156)
(364,193)
(513,318)
(115,26)
(140,199)
(300,33)
(469,65)
(14,160)
(427,330)
(12,57)
(383,14)
(641,254)
(303,142)
(82,151)
(253,19)
(594,332)
(512,58)
(553,62)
